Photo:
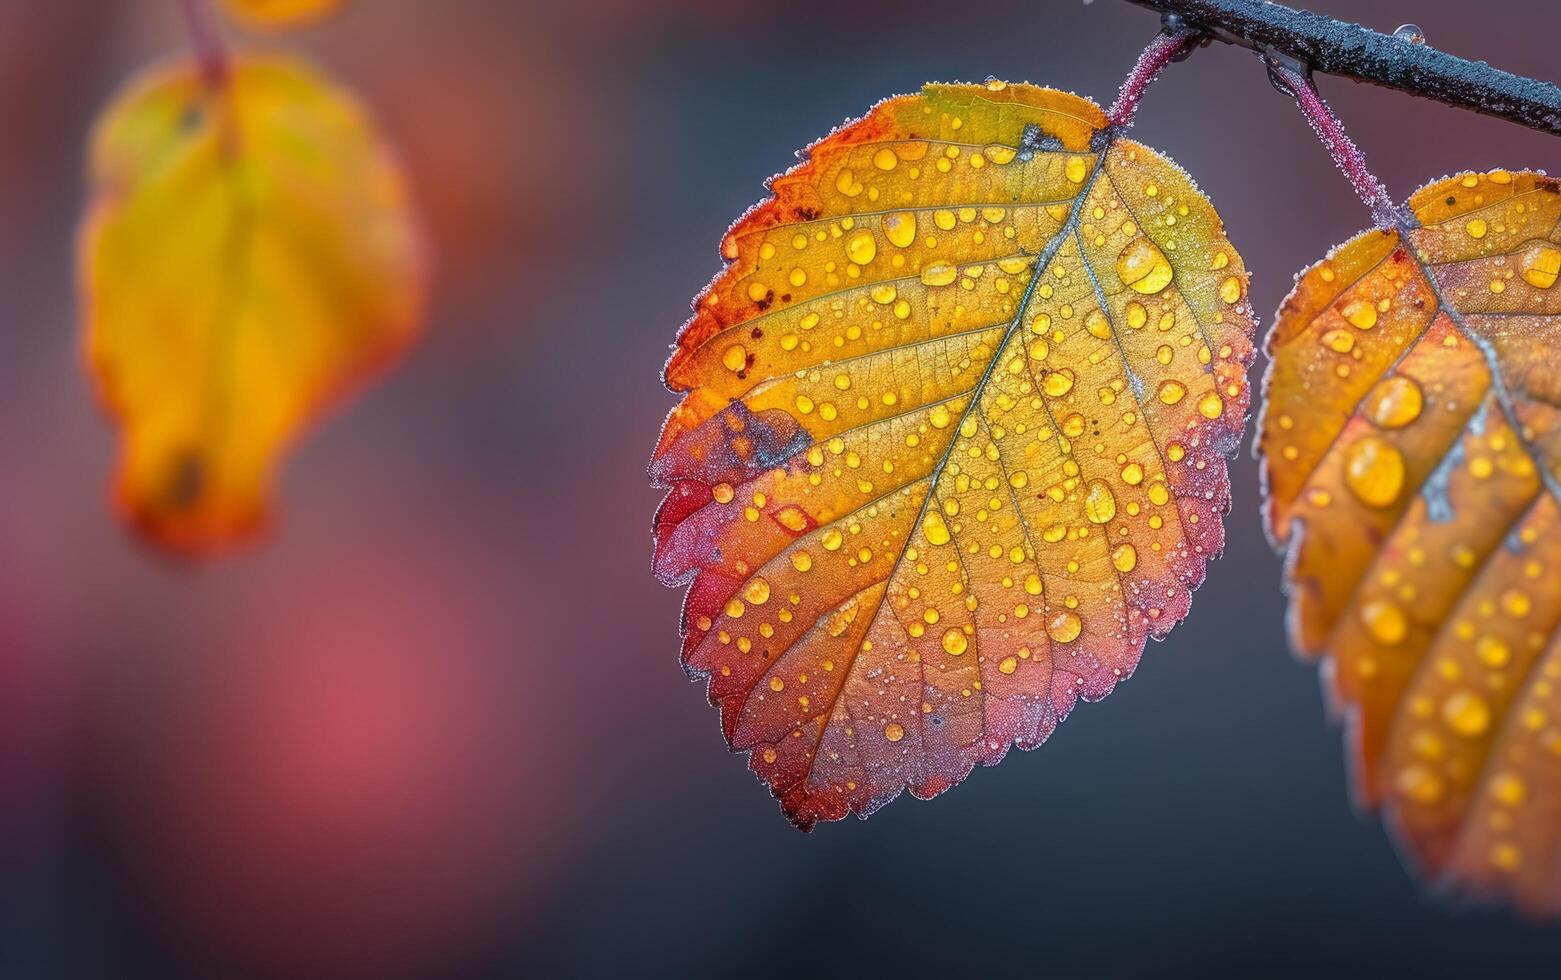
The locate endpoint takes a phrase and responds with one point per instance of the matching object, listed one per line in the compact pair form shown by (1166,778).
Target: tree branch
(1335,47)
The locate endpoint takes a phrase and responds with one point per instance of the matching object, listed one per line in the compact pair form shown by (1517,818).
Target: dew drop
(1100,506)
(1361,313)
(1385,621)
(1540,266)
(1057,383)
(900,228)
(1143,267)
(894,731)
(1395,402)
(1064,626)
(757,592)
(1410,33)
(735,358)
(1505,856)
(1339,341)
(1374,471)
(1508,789)
(1493,651)
(935,529)
(1172,391)
(954,642)
(1420,783)
(1125,557)
(861,246)
(1467,714)
(939,274)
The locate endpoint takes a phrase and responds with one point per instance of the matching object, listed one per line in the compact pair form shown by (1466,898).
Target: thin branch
(1171,44)
(205,40)
(1335,47)
(1338,143)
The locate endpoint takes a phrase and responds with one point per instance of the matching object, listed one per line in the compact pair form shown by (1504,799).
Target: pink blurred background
(434,725)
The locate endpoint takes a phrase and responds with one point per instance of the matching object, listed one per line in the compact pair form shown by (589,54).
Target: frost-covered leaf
(249,254)
(1410,444)
(952,440)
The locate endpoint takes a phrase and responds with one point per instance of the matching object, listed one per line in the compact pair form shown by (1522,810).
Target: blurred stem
(211,52)
(1172,44)
(1330,131)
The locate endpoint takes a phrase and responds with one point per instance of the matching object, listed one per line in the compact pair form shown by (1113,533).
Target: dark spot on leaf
(186,481)
(192,117)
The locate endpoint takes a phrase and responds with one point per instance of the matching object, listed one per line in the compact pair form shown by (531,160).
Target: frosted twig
(1163,49)
(1405,63)
(1338,143)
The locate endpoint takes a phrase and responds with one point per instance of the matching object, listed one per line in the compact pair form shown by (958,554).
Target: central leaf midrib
(1042,262)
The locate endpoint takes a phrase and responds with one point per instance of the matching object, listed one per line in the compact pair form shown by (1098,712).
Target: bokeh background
(434,725)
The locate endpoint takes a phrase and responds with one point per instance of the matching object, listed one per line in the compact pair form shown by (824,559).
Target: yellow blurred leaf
(1411,437)
(281,13)
(248,254)
(950,448)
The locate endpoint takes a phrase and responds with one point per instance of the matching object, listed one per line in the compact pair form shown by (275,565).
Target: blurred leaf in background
(249,254)
(281,13)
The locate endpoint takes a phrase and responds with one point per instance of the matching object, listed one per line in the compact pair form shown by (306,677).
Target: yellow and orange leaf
(281,13)
(248,255)
(1410,446)
(952,440)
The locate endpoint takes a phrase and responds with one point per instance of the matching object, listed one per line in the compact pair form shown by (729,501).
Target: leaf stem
(1330,131)
(1171,44)
(211,52)
(1408,64)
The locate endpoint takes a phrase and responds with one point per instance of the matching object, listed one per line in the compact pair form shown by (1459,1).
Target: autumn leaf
(248,255)
(1410,444)
(952,440)
(281,13)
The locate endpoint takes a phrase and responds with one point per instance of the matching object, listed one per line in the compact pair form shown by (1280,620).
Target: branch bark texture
(1336,47)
